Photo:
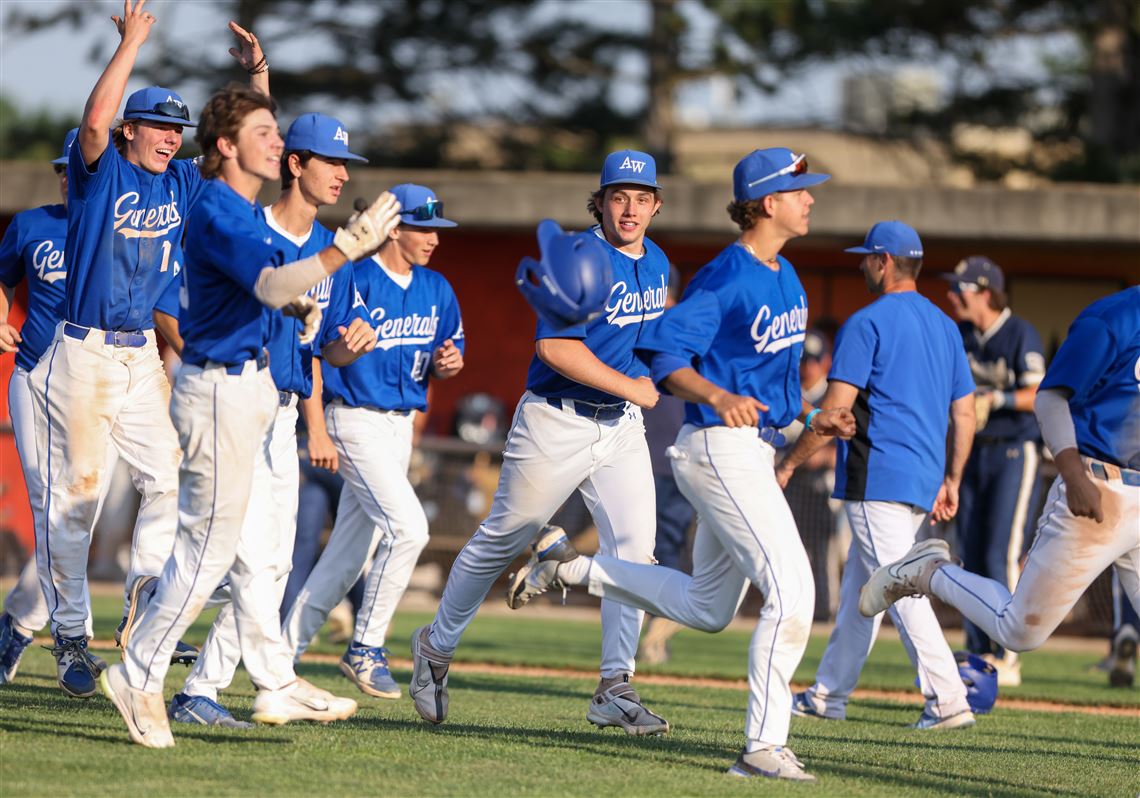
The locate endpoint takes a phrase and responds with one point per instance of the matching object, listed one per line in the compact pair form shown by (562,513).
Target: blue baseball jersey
(1100,363)
(636,299)
(741,325)
(123,227)
(1006,357)
(290,362)
(33,247)
(906,358)
(227,245)
(411,323)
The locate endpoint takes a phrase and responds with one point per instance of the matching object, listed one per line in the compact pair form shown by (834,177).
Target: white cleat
(540,573)
(620,705)
(777,762)
(300,700)
(145,713)
(909,576)
(428,687)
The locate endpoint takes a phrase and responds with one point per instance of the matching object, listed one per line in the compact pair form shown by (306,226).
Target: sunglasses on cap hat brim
(798,167)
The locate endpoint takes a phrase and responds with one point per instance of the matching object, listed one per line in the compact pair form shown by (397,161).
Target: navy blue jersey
(636,299)
(33,247)
(124,224)
(1100,363)
(290,362)
(741,325)
(227,246)
(411,323)
(906,358)
(1006,357)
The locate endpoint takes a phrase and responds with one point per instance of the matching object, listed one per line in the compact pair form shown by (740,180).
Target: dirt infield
(901,696)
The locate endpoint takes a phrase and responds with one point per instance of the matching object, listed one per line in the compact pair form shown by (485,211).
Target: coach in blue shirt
(900,366)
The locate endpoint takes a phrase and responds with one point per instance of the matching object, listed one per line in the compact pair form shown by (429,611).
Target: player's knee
(1024,637)
(712,619)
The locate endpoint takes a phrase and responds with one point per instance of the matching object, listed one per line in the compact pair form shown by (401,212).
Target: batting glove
(368,229)
(306,310)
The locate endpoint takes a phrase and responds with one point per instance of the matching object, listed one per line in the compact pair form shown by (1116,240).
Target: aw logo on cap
(341,135)
(175,100)
(632,165)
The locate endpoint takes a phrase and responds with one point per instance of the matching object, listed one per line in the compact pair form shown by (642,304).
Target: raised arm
(103,104)
(249,55)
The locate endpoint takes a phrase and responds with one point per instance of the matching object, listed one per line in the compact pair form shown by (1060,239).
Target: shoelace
(69,652)
(786,755)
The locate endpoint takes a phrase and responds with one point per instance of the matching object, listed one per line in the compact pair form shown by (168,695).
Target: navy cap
(68,140)
(890,238)
(764,172)
(631,167)
(157,104)
(977,270)
(321,135)
(419,207)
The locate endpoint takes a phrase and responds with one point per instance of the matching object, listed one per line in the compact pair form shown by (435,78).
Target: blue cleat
(959,720)
(77,673)
(367,668)
(202,711)
(12,645)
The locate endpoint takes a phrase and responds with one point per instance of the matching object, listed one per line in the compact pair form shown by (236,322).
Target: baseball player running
(419,335)
(314,169)
(730,348)
(223,405)
(584,386)
(101,378)
(1007,363)
(899,365)
(33,247)
(1088,406)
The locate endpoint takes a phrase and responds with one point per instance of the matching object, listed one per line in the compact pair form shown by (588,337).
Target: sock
(576,572)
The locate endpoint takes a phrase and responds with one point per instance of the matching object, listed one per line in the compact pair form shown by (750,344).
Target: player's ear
(226,148)
(294,161)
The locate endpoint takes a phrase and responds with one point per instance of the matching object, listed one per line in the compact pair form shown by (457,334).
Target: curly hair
(222,117)
(746,212)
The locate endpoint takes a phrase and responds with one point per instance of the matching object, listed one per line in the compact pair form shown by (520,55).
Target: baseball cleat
(804,707)
(959,720)
(1122,665)
(620,705)
(429,678)
(654,648)
(12,645)
(202,711)
(144,713)
(539,574)
(300,700)
(909,576)
(367,668)
(76,671)
(142,591)
(1008,668)
(776,762)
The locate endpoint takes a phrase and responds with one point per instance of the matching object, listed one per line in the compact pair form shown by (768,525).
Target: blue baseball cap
(419,207)
(977,270)
(631,167)
(769,171)
(890,238)
(320,135)
(157,104)
(68,140)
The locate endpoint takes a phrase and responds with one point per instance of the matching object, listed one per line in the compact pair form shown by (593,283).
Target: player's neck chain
(772,263)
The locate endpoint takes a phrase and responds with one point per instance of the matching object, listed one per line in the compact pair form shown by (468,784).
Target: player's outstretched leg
(907,576)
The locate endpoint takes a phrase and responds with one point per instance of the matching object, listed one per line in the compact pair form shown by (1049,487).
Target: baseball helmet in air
(570,282)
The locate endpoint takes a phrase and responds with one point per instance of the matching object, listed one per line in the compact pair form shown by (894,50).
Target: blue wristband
(807,421)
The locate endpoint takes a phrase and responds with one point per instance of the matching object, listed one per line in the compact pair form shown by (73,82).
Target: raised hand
(248,52)
(134,25)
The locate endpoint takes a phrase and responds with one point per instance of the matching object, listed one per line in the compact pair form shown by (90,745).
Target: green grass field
(511,735)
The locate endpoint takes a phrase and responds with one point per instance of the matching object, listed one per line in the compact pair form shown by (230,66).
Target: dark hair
(746,212)
(998,300)
(222,117)
(908,267)
(286,175)
(118,137)
(593,204)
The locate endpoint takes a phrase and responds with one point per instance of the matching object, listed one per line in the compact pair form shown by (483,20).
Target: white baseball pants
(222,421)
(88,394)
(882,532)
(550,452)
(1067,555)
(379,515)
(25,602)
(272,507)
(745,533)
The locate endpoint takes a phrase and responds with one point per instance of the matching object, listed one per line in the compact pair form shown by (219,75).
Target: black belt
(588,410)
(110,337)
